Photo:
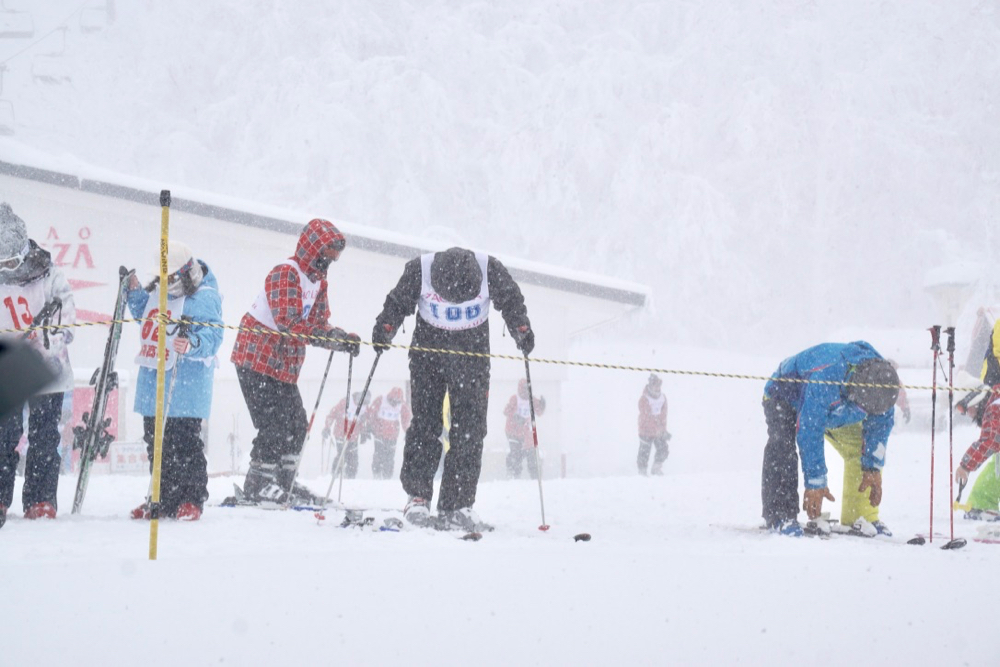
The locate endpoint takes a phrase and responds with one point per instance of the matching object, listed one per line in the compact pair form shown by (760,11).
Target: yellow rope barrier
(509,357)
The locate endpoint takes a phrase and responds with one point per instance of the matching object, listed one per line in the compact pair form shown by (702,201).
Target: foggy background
(768,169)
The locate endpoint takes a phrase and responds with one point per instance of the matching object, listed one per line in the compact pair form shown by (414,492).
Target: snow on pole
(161,363)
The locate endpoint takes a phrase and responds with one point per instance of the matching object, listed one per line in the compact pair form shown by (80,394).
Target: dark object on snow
(455,274)
(582,537)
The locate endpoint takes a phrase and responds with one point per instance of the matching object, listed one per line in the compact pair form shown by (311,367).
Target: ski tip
(582,537)
(956,543)
(472,537)
(917,541)
(544,527)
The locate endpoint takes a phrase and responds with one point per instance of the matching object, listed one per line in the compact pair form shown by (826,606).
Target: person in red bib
(384,418)
(33,292)
(518,431)
(293,300)
(653,427)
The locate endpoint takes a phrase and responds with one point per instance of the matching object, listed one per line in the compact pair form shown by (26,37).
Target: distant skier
(452,292)
(33,292)
(293,301)
(384,418)
(518,431)
(983,406)
(341,415)
(192,293)
(653,427)
(804,401)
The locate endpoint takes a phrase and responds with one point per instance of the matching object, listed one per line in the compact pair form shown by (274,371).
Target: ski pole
(951,416)
(936,349)
(534,435)
(298,462)
(354,423)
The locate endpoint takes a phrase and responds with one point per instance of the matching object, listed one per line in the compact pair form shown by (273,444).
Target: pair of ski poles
(936,351)
(338,468)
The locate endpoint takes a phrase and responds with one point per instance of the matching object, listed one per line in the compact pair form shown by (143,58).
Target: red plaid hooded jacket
(280,356)
(989,438)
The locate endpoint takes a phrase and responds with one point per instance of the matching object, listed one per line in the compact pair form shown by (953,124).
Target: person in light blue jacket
(192,297)
(840,392)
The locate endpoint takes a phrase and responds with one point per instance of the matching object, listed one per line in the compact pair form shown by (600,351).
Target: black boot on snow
(261,484)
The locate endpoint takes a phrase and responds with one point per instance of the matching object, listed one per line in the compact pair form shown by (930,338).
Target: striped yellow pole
(161,371)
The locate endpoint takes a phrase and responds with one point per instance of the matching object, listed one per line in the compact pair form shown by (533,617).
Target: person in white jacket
(33,292)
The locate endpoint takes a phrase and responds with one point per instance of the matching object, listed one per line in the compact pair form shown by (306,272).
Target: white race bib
(19,304)
(442,314)
(149,333)
(388,412)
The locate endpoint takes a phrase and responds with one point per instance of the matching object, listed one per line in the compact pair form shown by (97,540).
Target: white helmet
(178,255)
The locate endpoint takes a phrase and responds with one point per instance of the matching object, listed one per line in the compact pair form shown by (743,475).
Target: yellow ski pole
(161,349)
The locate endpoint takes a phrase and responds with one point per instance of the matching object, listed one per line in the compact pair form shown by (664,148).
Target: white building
(94,221)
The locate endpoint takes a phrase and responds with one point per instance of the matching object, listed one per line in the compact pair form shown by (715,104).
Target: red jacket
(335,419)
(385,424)
(518,415)
(652,415)
(268,352)
(989,438)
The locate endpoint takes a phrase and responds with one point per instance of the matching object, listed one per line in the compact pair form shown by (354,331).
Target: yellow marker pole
(161,371)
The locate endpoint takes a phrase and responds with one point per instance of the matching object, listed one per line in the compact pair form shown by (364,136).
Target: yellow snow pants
(848,441)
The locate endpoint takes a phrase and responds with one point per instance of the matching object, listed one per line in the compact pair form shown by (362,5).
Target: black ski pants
(41,465)
(350,456)
(516,456)
(646,445)
(184,470)
(467,381)
(277,413)
(384,458)
(780,475)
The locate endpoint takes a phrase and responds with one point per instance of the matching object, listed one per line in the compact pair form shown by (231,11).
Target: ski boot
(786,527)
(188,512)
(141,513)
(863,526)
(418,512)
(299,494)
(261,484)
(41,510)
(463,519)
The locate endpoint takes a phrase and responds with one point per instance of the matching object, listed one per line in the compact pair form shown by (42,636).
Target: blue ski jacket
(196,369)
(822,407)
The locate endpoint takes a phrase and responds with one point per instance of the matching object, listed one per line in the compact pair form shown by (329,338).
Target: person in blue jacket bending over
(843,393)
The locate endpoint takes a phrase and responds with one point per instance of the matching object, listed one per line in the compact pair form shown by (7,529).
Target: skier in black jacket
(452,292)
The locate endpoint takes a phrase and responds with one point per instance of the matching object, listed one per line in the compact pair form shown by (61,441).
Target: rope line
(507,357)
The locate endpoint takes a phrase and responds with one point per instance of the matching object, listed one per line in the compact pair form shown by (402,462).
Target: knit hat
(13,234)
(455,275)
(875,400)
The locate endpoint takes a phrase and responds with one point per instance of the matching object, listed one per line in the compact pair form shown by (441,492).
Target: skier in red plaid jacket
(984,499)
(268,360)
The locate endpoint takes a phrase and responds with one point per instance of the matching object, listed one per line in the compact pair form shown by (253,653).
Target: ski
(367,519)
(92,437)
(238,499)
(836,531)
(988,534)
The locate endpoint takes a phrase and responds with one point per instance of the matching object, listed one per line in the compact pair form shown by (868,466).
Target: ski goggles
(11,264)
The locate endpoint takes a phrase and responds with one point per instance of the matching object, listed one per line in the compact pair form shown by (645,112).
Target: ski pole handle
(951,338)
(935,337)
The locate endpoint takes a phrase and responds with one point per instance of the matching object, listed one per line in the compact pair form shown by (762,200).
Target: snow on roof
(960,272)
(69,172)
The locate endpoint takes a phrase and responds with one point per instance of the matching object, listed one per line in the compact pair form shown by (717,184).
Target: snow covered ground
(661,582)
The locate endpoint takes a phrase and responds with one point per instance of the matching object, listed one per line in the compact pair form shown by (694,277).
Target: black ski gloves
(382,335)
(341,341)
(524,337)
